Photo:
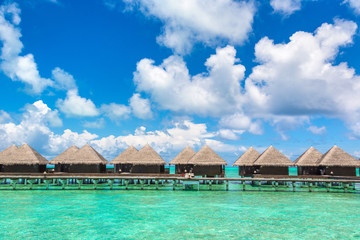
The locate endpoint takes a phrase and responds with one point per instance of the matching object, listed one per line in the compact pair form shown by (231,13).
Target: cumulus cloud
(212,93)
(317,130)
(355,4)
(299,78)
(15,66)
(63,80)
(286,7)
(99,123)
(141,107)
(241,122)
(116,111)
(33,127)
(177,137)
(199,21)
(4,116)
(75,106)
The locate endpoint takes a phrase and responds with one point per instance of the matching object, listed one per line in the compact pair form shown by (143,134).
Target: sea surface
(167,214)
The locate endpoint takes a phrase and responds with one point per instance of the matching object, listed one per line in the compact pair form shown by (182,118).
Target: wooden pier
(19,181)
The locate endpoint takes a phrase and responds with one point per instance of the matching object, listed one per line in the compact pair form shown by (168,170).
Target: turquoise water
(149,214)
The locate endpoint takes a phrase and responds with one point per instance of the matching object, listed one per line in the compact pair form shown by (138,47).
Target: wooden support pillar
(142,184)
(157,184)
(259,183)
(293,186)
(310,185)
(126,184)
(110,182)
(346,186)
(47,182)
(276,186)
(227,185)
(243,184)
(31,181)
(95,182)
(13,183)
(210,185)
(80,182)
(174,184)
(328,186)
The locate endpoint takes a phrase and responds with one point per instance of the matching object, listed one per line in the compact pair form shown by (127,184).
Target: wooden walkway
(176,182)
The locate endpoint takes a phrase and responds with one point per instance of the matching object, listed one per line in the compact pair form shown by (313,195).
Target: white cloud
(174,138)
(16,67)
(99,123)
(58,143)
(355,4)
(75,106)
(241,122)
(141,107)
(189,22)
(286,7)
(317,130)
(212,93)
(63,80)
(116,111)
(228,134)
(4,116)
(33,127)
(298,78)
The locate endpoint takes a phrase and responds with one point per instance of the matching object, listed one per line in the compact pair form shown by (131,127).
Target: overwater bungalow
(272,162)
(147,161)
(207,162)
(337,162)
(308,162)
(181,160)
(22,159)
(83,160)
(125,160)
(246,162)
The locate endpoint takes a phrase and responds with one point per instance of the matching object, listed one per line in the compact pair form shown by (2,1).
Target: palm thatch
(126,157)
(310,158)
(147,156)
(272,157)
(247,158)
(338,157)
(65,157)
(87,155)
(21,155)
(206,156)
(184,156)
(4,155)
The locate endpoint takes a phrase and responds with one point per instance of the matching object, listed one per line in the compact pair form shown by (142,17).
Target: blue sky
(230,74)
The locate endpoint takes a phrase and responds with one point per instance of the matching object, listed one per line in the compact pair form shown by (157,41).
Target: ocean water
(150,214)
(167,214)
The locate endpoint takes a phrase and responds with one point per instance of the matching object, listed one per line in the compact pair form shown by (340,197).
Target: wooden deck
(174,182)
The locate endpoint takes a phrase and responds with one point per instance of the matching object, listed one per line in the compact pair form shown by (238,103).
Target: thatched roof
(22,155)
(87,155)
(65,157)
(272,157)
(310,158)
(206,156)
(148,156)
(247,158)
(184,156)
(126,157)
(4,155)
(338,157)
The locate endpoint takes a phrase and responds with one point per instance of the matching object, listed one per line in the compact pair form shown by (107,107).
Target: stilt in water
(142,184)
(47,182)
(310,185)
(227,185)
(95,182)
(110,182)
(174,184)
(328,186)
(80,182)
(210,185)
(293,186)
(126,184)
(244,184)
(157,184)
